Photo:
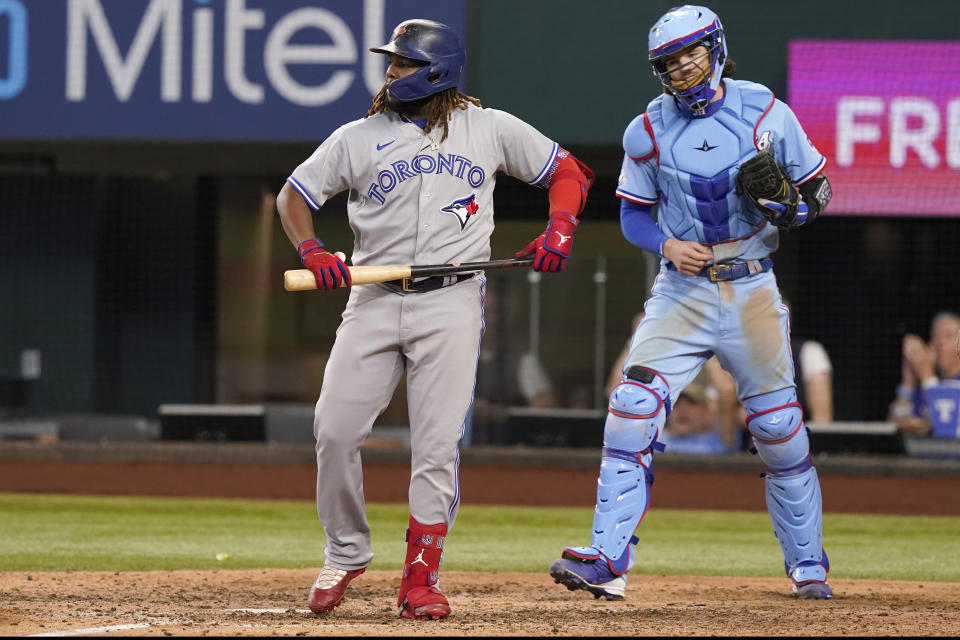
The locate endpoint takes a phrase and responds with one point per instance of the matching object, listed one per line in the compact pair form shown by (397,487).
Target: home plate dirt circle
(271,602)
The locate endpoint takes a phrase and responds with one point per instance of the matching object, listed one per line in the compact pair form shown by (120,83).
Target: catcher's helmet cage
(430,42)
(683,27)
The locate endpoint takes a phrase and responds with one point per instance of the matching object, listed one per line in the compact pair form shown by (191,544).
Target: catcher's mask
(435,45)
(686,27)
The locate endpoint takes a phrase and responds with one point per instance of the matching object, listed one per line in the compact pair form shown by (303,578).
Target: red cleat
(424,603)
(327,592)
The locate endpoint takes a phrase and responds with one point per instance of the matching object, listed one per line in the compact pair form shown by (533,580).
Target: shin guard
(623,496)
(638,409)
(794,505)
(791,483)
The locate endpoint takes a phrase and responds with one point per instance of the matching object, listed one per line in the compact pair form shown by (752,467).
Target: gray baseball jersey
(412,200)
(415,200)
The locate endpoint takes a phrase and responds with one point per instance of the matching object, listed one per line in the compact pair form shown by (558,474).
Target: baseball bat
(303,280)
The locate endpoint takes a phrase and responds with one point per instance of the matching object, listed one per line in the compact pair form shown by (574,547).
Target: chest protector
(698,160)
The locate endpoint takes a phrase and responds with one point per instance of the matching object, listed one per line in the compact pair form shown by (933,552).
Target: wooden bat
(303,280)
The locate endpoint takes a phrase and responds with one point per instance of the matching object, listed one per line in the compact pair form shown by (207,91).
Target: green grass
(43,532)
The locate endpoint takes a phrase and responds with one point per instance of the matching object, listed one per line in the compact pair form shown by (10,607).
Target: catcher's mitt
(770,190)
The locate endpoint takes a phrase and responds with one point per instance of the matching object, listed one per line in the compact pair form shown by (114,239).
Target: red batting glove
(328,269)
(553,246)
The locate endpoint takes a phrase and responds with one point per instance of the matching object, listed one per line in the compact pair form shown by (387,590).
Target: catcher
(729,166)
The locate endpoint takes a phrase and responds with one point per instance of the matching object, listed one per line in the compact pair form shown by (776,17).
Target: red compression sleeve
(569,182)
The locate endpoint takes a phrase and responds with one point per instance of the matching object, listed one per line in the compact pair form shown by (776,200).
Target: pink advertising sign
(887,116)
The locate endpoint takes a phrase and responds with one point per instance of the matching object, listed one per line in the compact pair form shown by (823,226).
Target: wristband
(904,392)
(308,245)
(566,216)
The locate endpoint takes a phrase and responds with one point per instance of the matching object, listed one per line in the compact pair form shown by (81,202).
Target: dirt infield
(272,602)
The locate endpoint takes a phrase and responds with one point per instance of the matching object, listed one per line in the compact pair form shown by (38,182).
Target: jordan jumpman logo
(420,560)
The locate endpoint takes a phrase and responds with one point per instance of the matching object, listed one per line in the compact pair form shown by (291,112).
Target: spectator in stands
(706,418)
(506,376)
(813,375)
(616,371)
(925,366)
(694,425)
(730,418)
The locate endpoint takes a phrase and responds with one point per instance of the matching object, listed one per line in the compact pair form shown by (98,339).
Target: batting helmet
(683,27)
(429,42)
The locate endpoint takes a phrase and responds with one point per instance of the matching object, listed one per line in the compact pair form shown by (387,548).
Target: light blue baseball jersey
(689,166)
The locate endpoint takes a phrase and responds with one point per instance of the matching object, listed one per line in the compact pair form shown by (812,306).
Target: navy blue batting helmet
(433,43)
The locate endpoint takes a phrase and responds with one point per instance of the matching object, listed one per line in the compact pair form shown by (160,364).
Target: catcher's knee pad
(637,411)
(775,421)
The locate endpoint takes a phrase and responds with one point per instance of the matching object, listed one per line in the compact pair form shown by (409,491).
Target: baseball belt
(408,285)
(732,270)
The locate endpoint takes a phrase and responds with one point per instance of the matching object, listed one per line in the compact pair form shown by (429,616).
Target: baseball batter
(420,169)
(721,158)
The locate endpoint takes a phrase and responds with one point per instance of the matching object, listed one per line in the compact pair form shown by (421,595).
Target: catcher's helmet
(683,27)
(430,42)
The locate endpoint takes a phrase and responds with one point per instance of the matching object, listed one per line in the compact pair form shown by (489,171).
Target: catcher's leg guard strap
(792,486)
(637,411)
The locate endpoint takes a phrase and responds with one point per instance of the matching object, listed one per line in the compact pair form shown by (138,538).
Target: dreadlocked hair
(437,108)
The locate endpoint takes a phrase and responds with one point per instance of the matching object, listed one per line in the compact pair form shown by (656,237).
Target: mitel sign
(887,116)
(196,69)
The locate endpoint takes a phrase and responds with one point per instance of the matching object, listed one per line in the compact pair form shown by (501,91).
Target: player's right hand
(328,268)
(687,256)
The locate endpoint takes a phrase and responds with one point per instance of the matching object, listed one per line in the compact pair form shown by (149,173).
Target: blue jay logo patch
(462,209)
